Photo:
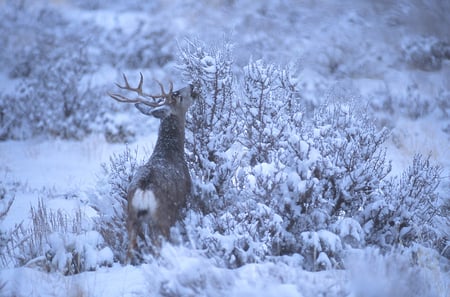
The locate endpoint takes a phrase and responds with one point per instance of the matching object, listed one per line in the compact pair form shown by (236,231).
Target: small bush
(423,53)
(148,45)
(7,196)
(406,211)
(56,242)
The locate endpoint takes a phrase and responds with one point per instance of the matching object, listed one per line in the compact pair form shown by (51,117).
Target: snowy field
(374,54)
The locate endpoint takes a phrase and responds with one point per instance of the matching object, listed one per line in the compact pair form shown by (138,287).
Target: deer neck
(170,137)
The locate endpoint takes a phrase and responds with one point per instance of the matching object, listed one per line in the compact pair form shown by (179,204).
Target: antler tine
(139,91)
(122,98)
(170,88)
(166,96)
(163,93)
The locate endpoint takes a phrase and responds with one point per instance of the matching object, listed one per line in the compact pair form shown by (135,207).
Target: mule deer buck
(159,188)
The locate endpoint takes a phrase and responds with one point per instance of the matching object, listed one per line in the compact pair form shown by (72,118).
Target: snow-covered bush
(53,98)
(211,123)
(330,166)
(413,104)
(6,200)
(443,102)
(417,53)
(54,108)
(56,241)
(321,249)
(120,170)
(425,53)
(406,209)
(246,232)
(350,232)
(118,128)
(269,100)
(317,177)
(352,160)
(146,45)
(31,32)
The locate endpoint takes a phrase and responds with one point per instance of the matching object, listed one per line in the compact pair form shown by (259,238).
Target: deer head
(162,105)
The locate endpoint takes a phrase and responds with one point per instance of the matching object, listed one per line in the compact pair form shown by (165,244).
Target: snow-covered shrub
(211,122)
(443,102)
(321,249)
(6,200)
(55,108)
(269,100)
(50,61)
(118,128)
(120,170)
(441,49)
(30,34)
(406,209)
(56,241)
(146,45)
(352,161)
(246,232)
(413,104)
(260,111)
(75,253)
(314,177)
(333,165)
(350,232)
(425,53)
(225,134)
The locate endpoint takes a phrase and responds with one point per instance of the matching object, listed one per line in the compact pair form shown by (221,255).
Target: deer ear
(145,109)
(157,112)
(160,112)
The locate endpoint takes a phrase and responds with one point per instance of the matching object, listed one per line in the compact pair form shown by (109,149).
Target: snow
(63,173)
(350,230)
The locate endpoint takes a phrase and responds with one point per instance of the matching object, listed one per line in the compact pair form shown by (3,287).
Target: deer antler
(143,97)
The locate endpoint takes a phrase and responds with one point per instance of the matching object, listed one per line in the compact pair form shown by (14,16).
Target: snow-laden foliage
(6,201)
(407,208)
(211,124)
(272,182)
(146,45)
(425,53)
(268,101)
(49,67)
(55,241)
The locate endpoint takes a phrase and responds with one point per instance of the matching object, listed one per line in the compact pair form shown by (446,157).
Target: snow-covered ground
(64,167)
(361,46)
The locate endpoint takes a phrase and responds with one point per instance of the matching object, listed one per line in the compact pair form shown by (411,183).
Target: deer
(160,188)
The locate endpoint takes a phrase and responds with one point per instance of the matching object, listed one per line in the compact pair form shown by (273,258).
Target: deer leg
(160,236)
(133,231)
